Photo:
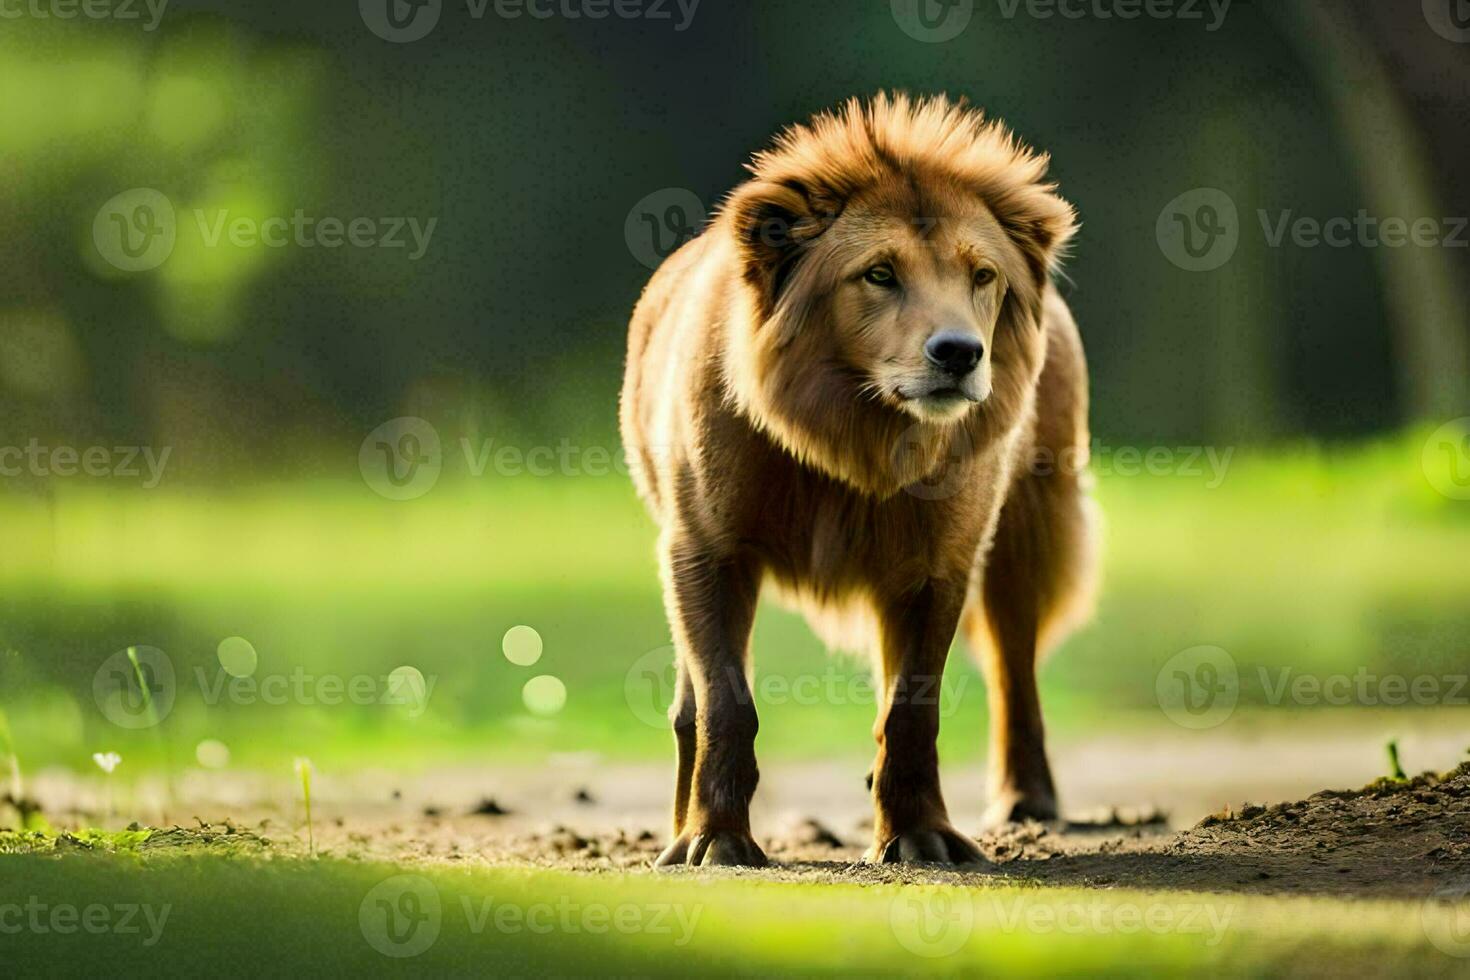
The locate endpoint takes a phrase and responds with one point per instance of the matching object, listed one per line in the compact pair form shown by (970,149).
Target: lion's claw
(720,847)
(943,845)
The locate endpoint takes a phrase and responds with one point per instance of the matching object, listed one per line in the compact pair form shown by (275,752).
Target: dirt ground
(1232,816)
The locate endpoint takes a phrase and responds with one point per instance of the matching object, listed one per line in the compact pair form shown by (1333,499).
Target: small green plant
(143,686)
(164,745)
(303,767)
(11,757)
(1395,771)
(28,811)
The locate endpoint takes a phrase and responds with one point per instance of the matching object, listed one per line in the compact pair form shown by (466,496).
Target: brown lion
(859,385)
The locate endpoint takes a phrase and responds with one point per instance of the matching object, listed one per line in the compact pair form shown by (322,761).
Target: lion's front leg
(711,599)
(910,822)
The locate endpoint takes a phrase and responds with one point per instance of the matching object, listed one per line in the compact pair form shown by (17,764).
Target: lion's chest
(828,541)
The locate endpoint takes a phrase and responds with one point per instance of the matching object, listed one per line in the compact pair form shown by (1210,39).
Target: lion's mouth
(946,403)
(949,394)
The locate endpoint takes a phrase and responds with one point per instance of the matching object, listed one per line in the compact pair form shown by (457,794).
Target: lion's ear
(1042,224)
(773,224)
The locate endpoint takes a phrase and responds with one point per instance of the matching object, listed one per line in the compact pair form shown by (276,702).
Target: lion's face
(893,262)
(915,301)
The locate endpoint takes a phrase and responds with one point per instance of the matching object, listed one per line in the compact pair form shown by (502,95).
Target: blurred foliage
(529,141)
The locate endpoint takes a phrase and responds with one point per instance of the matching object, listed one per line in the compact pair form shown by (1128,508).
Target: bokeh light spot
(544,695)
(212,753)
(521,645)
(408,690)
(237,656)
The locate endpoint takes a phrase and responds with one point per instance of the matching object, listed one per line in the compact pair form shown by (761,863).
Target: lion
(860,386)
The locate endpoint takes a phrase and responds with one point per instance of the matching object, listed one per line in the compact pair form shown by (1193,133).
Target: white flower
(106,761)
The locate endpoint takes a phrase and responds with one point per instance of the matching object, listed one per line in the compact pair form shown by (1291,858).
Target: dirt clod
(808,833)
(488,807)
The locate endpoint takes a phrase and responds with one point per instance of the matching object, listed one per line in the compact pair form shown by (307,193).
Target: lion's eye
(984,277)
(881,275)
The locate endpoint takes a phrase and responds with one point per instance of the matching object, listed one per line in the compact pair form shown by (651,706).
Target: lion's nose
(954,353)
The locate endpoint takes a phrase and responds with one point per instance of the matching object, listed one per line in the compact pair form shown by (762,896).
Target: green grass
(200,914)
(1307,560)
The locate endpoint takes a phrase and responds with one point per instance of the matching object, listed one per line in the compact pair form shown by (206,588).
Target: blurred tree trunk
(1246,395)
(1425,297)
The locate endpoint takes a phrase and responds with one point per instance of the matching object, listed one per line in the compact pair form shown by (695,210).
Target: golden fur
(788,428)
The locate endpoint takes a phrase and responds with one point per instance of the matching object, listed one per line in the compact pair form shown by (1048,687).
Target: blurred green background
(1326,381)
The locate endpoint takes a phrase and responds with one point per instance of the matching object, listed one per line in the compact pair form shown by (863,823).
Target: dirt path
(1390,840)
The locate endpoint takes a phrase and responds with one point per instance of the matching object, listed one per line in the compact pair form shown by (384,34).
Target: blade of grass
(7,744)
